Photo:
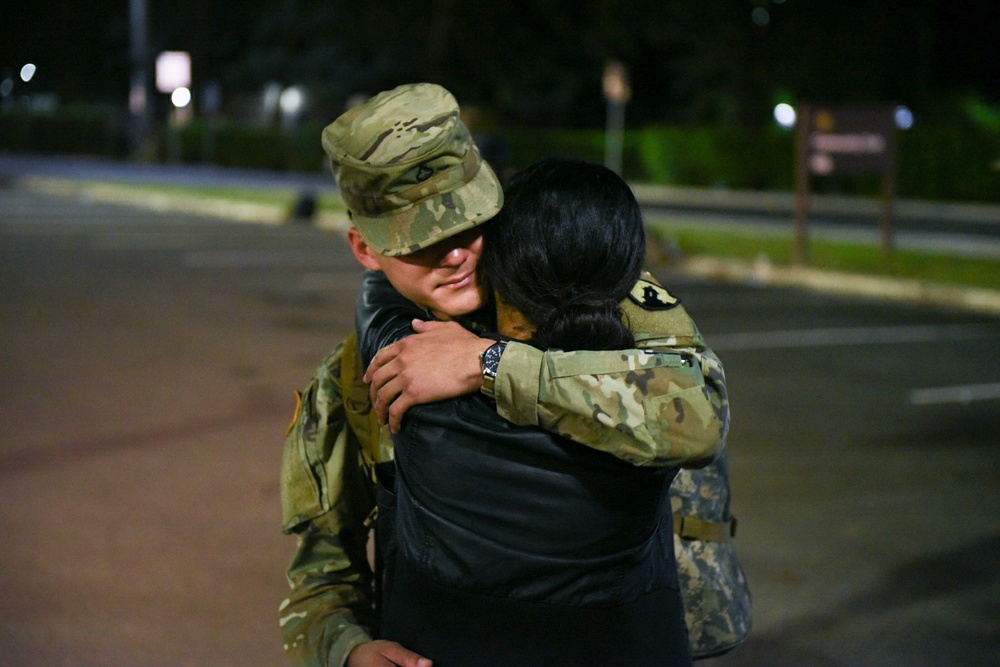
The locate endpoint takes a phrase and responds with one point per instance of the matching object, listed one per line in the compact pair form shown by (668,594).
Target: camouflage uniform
(652,408)
(671,394)
(716,595)
(662,405)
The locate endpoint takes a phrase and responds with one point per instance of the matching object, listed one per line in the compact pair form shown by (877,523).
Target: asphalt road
(147,362)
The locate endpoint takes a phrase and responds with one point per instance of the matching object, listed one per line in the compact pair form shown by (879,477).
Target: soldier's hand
(382,653)
(440,361)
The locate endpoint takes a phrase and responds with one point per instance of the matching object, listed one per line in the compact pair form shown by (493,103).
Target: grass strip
(833,255)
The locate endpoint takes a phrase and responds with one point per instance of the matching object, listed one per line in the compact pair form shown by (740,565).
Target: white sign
(173,71)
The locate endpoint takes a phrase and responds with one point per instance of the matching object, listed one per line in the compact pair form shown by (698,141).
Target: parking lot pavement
(148,364)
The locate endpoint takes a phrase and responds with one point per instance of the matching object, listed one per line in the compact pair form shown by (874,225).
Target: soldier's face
(441,278)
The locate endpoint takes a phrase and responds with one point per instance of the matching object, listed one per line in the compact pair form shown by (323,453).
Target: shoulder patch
(651,296)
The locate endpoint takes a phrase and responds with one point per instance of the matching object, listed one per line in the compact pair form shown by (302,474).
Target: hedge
(959,161)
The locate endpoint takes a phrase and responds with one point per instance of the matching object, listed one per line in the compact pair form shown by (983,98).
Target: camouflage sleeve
(654,406)
(663,403)
(326,497)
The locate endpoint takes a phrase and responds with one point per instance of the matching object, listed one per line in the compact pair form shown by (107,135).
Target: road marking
(152,240)
(798,338)
(253,259)
(964,394)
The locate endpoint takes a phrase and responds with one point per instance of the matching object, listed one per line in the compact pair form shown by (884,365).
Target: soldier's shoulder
(654,312)
(649,294)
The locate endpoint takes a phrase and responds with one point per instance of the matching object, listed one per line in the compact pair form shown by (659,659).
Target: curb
(227,209)
(763,273)
(783,203)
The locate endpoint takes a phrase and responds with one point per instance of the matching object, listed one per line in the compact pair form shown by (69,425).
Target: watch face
(491,358)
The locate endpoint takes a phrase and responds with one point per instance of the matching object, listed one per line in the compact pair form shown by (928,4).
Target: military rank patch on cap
(652,296)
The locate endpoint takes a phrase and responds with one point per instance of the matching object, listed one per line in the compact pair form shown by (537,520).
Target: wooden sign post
(834,141)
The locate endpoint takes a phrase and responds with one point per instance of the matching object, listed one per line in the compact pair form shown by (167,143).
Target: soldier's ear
(362,252)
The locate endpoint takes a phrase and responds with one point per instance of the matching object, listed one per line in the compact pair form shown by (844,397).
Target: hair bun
(584,324)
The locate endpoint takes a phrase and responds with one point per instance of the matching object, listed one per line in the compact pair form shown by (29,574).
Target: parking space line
(257,259)
(803,338)
(959,394)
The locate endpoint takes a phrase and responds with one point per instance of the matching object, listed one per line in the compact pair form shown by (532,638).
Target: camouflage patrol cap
(408,169)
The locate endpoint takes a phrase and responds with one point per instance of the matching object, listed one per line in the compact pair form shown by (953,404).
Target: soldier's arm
(661,405)
(326,498)
(657,405)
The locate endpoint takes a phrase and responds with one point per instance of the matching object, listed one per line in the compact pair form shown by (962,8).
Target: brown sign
(850,140)
(834,141)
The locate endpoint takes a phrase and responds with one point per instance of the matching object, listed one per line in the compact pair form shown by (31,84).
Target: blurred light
(181,97)
(904,118)
(617,88)
(291,100)
(6,87)
(211,97)
(760,17)
(269,100)
(137,99)
(46,102)
(27,72)
(354,100)
(173,71)
(821,164)
(785,115)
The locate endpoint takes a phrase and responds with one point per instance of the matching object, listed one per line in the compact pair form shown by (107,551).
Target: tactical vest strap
(693,528)
(361,417)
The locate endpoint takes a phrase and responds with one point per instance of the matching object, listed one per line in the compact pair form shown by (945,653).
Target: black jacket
(508,545)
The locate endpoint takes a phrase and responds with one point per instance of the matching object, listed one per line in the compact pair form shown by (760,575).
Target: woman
(507,545)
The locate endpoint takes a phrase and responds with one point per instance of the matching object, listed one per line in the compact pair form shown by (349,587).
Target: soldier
(415,187)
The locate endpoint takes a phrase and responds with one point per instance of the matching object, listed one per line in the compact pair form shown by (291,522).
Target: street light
(617,91)
(903,117)
(785,115)
(173,77)
(291,101)
(181,97)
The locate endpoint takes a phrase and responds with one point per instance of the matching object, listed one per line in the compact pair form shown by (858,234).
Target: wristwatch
(490,360)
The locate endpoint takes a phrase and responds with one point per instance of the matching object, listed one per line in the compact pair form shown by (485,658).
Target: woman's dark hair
(567,247)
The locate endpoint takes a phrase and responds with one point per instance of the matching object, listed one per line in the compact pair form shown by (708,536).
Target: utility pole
(617,92)
(139,97)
